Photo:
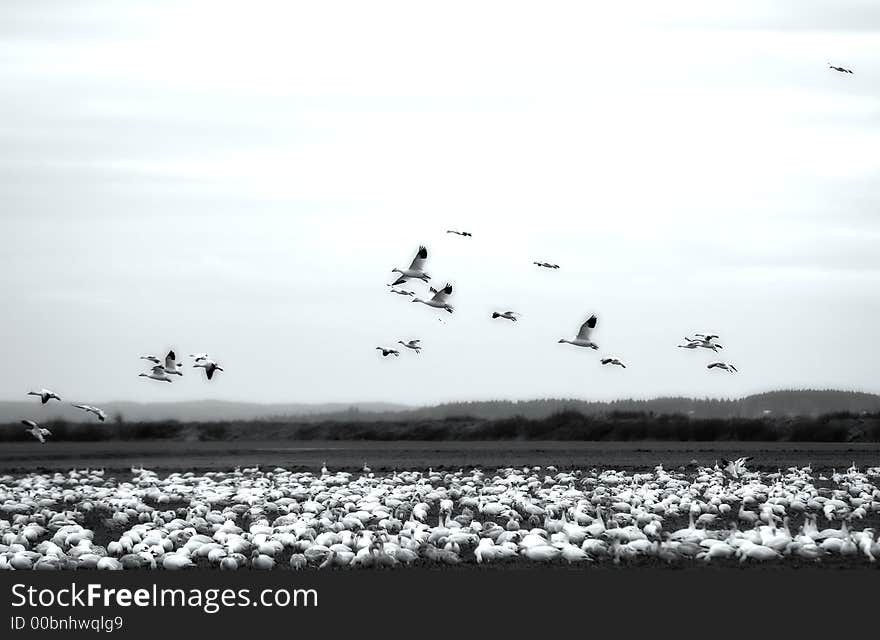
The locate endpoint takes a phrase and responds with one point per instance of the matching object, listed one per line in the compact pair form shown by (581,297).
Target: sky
(240,178)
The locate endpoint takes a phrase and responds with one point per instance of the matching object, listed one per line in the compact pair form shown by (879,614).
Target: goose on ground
(90,409)
(507,315)
(171,365)
(546,265)
(415,345)
(36,430)
(402,292)
(465,234)
(388,352)
(840,69)
(45,395)
(416,268)
(613,361)
(717,364)
(438,301)
(209,366)
(157,373)
(584,336)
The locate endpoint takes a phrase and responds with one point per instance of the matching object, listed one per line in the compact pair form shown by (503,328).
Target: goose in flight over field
(613,361)
(737,467)
(507,315)
(388,352)
(465,234)
(90,409)
(416,269)
(717,364)
(547,265)
(705,343)
(841,69)
(36,430)
(45,395)
(402,292)
(209,366)
(415,345)
(584,336)
(439,299)
(158,373)
(171,366)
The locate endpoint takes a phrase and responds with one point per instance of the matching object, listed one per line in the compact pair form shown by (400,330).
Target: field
(388,456)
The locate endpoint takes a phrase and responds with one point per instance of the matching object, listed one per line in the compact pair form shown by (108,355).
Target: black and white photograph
(436,312)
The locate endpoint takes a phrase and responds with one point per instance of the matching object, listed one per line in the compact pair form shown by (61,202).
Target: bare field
(381,456)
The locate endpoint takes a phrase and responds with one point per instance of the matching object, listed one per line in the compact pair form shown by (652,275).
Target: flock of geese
(440,300)
(161,370)
(255,519)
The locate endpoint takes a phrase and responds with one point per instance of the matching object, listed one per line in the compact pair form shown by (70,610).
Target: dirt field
(191,456)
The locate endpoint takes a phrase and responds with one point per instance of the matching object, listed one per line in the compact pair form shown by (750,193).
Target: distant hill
(774,403)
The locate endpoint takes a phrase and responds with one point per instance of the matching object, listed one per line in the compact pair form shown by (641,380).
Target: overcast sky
(240,178)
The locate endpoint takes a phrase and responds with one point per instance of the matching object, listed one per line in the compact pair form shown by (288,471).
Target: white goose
(90,409)
(583,338)
(402,292)
(507,315)
(209,366)
(415,345)
(465,234)
(389,352)
(152,359)
(737,467)
(613,361)
(717,364)
(171,365)
(416,268)
(438,301)
(36,430)
(157,373)
(704,342)
(45,395)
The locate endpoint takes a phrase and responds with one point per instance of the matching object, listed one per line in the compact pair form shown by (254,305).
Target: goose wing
(158,370)
(170,361)
(29,423)
(587,328)
(418,263)
(443,294)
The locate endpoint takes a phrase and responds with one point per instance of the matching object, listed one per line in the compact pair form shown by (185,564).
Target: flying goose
(152,359)
(841,69)
(198,356)
(507,315)
(584,334)
(388,352)
(736,467)
(209,366)
(158,373)
(416,269)
(439,299)
(465,234)
(705,343)
(412,344)
(36,430)
(717,364)
(691,344)
(613,361)
(90,409)
(546,265)
(45,395)
(171,366)
(402,292)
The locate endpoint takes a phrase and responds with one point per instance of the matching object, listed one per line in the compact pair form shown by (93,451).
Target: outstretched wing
(586,329)
(170,361)
(84,407)
(29,423)
(158,369)
(443,294)
(418,263)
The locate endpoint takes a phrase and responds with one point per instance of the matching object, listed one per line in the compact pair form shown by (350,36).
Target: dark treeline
(564,425)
